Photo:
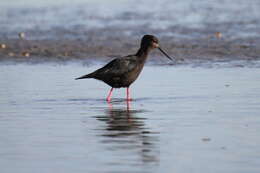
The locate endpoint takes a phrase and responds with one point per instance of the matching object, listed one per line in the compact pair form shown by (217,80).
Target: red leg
(109,95)
(128,94)
(128,105)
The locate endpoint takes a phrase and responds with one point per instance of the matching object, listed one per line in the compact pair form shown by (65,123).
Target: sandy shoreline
(101,48)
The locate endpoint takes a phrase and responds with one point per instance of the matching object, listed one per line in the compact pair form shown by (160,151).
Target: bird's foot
(108,99)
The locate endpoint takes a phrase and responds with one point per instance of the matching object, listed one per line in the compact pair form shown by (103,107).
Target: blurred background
(82,29)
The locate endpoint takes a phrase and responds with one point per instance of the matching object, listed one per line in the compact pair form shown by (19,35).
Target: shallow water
(181,119)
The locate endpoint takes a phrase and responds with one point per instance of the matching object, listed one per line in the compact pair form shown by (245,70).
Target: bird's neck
(143,52)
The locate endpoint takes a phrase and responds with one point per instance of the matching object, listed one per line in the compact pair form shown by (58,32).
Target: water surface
(182,119)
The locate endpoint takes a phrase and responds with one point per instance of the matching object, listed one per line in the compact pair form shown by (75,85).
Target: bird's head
(150,41)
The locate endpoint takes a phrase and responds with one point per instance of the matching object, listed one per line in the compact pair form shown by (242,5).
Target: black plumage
(122,72)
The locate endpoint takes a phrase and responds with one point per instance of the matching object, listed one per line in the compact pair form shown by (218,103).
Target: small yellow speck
(2,46)
(218,34)
(26,54)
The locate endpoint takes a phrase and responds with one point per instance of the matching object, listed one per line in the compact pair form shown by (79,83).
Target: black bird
(122,72)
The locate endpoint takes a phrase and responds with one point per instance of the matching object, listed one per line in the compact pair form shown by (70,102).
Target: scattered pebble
(244,46)
(218,34)
(21,35)
(10,54)
(26,54)
(206,139)
(2,46)
(239,65)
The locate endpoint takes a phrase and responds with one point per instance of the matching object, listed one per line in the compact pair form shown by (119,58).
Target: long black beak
(165,53)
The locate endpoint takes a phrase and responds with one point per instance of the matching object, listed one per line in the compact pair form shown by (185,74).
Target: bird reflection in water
(125,131)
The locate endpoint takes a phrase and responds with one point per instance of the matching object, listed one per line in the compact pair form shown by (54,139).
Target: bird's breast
(131,76)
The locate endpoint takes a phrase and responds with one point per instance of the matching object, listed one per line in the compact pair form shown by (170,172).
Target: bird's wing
(118,66)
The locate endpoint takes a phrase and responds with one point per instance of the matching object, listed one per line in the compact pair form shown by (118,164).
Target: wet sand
(69,50)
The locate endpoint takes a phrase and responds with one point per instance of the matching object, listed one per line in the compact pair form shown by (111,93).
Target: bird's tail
(84,76)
